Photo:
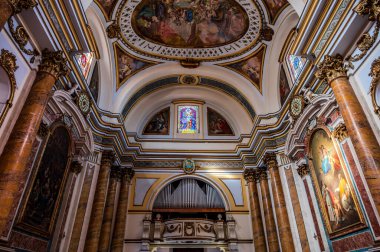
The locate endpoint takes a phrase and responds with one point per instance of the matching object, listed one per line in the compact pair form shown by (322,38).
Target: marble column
(270,224)
(105,233)
(96,219)
(250,175)
(11,7)
(282,217)
(13,168)
(122,209)
(333,71)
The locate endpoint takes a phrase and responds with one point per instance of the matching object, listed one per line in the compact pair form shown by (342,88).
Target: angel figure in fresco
(329,161)
(334,208)
(253,68)
(125,66)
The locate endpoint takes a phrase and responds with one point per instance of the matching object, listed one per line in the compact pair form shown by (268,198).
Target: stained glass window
(188,119)
(296,65)
(84,61)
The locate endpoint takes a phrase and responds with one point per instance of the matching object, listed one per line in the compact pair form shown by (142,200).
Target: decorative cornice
(331,68)
(76,167)
(370,8)
(340,132)
(113,30)
(270,160)
(53,63)
(303,170)
(375,74)
(19,5)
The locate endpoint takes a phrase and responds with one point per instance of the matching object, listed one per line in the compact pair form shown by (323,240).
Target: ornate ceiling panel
(182,29)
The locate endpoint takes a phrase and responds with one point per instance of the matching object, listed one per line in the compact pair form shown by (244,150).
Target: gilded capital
(108,157)
(113,30)
(249,175)
(303,170)
(331,68)
(127,174)
(116,172)
(8,62)
(19,5)
(76,167)
(270,160)
(262,174)
(53,63)
(370,8)
(340,132)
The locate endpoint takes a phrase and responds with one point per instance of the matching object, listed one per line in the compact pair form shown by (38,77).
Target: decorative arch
(48,182)
(156,191)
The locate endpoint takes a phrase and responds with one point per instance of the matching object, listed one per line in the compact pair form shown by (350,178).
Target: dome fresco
(190,23)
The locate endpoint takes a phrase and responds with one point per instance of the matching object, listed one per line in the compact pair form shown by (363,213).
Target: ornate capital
(331,68)
(249,175)
(262,174)
(8,62)
(340,132)
(303,170)
(270,160)
(53,63)
(370,8)
(19,5)
(108,157)
(113,30)
(127,174)
(76,167)
(116,172)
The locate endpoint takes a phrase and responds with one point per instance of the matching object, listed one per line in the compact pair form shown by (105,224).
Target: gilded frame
(345,230)
(8,64)
(57,207)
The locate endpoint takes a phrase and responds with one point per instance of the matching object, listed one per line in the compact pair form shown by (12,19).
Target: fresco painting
(251,67)
(190,23)
(284,86)
(107,6)
(274,7)
(158,124)
(127,65)
(333,185)
(217,124)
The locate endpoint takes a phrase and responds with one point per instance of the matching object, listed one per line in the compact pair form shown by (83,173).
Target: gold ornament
(340,132)
(375,74)
(331,68)
(303,170)
(53,63)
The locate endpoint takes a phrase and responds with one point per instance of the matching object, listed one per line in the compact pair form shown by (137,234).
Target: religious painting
(128,65)
(107,7)
(188,119)
(94,83)
(190,23)
(250,67)
(84,61)
(159,123)
(275,7)
(284,86)
(337,198)
(217,125)
(44,198)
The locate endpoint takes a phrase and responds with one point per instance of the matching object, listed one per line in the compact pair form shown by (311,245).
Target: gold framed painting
(336,196)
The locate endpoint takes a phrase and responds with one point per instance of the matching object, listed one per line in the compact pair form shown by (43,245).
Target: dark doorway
(188,250)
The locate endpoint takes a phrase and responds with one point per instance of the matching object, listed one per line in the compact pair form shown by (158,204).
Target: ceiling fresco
(107,7)
(251,67)
(275,7)
(128,65)
(197,29)
(187,23)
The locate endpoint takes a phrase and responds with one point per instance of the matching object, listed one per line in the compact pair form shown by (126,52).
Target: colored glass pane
(84,61)
(296,65)
(188,119)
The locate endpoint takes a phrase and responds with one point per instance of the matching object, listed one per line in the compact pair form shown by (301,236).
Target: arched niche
(7,82)
(48,182)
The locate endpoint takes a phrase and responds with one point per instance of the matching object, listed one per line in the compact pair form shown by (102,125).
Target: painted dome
(199,29)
